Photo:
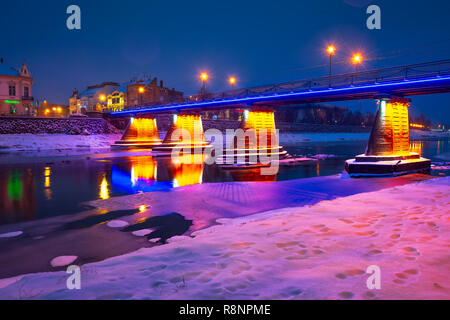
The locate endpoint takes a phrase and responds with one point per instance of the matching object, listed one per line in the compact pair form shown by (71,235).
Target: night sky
(259,42)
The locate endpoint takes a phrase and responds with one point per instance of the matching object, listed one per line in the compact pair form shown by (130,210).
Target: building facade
(93,99)
(112,96)
(15,91)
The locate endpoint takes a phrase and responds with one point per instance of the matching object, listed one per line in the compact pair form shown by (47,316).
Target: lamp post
(102,100)
(331,51)
(204,78)
(357,59)
(232,81)
(141,91)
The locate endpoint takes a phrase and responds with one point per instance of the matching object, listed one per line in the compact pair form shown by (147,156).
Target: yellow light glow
(47,174)
(104,191)
(357,58)
(142,208)
(47,110)
(102,97)
(54,109)
(331,49)
(204,76)
(141,89)
(59,109)
(232,80)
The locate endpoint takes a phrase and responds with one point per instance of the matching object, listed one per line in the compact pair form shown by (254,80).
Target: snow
(11,234)
(62,261)
(117,224)
(142,232)
(312,252)
(27,142)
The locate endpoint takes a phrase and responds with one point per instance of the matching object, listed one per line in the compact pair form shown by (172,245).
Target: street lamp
(357,59)
(331,51)
(204,77)
(232,81)
(141,91)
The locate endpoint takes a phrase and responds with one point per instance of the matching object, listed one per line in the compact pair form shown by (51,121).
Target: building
(15,90)
(93,99)
(112,96)
(148,93)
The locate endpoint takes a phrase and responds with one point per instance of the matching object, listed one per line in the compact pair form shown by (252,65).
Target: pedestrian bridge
(388,151)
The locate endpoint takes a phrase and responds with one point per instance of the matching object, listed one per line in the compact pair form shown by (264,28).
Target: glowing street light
(204,76)
(331,51)
(357,59)
(141,91)
(102,97)
(232,81)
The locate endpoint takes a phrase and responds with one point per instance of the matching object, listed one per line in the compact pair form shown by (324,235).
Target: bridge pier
(140,133)
(388,151)
(186,133)
(255,140)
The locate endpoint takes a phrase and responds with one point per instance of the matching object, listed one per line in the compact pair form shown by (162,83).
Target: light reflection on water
(37,190)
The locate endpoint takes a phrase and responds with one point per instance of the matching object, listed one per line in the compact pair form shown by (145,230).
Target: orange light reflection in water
(144,168)
(416,146)
(187,170)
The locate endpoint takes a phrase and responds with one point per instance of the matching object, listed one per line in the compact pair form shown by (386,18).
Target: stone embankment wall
(15,125)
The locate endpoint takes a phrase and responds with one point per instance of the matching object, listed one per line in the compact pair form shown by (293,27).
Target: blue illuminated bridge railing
(416,79)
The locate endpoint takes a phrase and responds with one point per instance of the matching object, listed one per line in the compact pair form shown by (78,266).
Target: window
(12,90)
(26,92)
(12,109)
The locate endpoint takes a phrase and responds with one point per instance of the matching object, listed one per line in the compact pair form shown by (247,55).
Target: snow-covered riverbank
(42,142)
(314,252)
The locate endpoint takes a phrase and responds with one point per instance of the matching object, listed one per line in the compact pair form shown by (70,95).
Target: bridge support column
(185,133)
(141,132)
(256,140)
(388,151)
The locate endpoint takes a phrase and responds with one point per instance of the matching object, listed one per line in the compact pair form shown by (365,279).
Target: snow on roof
(89,93)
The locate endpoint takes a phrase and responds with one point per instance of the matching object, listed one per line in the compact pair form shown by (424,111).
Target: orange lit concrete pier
(186,133)
(256,140)
(140,133)
(388,151)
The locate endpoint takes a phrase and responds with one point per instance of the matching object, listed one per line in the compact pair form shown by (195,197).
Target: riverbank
(45,142)
(319,251)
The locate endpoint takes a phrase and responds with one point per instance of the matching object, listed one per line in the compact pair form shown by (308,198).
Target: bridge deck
(425,78)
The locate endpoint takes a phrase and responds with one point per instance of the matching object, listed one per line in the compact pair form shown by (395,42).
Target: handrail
(373,76)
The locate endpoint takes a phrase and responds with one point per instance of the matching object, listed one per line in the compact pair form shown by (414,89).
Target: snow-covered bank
(26,142)
(314,252)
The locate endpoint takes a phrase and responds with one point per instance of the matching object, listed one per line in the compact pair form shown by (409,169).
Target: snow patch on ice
(142,232)
(62,261)
(11,234)
(117,223)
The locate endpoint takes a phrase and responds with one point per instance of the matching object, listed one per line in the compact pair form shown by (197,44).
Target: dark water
(38,190)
